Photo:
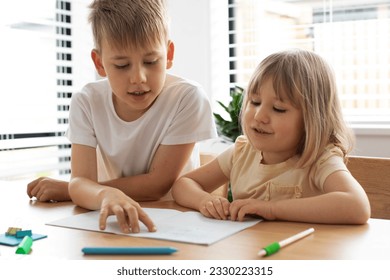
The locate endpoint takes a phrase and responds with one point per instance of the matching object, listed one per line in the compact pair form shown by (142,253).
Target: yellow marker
(12,231)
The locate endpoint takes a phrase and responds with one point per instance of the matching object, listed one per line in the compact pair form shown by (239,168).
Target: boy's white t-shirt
(181,114)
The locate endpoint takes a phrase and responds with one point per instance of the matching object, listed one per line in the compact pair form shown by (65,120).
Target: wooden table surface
(328,242)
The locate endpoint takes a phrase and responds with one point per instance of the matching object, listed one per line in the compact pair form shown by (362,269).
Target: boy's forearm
(145,187)
(85,193)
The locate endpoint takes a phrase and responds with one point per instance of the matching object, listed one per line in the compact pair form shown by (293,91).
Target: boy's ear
(96,58)
(170,54)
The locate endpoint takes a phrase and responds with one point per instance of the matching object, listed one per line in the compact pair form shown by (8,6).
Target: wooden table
(329,242)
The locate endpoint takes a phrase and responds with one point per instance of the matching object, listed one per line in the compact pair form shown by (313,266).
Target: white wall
(193,24)
(373,142)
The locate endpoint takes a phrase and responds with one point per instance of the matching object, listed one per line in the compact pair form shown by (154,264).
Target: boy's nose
(137,76)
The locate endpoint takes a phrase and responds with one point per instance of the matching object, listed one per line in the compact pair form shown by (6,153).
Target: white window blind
(354,36)
(37,68)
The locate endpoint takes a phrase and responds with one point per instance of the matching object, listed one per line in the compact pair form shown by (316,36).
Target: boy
(134,132)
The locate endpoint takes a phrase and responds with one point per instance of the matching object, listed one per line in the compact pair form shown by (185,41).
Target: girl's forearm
(331,208)
(188,193)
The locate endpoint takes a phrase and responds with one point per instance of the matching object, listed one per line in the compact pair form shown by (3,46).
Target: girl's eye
(255,103)
(279,110)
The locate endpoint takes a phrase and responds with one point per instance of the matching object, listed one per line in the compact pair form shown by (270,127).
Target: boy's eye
(151,62)
(121,66)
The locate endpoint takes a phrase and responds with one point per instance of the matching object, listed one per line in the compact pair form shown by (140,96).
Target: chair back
(374,176)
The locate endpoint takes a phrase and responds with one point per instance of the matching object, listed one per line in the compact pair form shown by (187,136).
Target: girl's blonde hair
(124,23)
(308,82)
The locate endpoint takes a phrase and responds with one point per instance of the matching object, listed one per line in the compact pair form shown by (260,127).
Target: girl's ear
(96,58)
(170,54)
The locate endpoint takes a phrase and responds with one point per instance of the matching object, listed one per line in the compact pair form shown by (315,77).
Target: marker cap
(272,248)
(24,246)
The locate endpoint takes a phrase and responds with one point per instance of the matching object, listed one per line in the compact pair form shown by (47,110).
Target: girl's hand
(127,211)
(241,207)
(215,207)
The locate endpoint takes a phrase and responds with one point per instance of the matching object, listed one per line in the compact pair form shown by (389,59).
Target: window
(39,72)
(354,37)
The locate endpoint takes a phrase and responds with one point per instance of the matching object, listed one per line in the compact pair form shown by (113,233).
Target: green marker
(230,194)
(276,246)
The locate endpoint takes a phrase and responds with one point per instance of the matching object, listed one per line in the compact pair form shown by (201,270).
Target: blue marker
(128,250)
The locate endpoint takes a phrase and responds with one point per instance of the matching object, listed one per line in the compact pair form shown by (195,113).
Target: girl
(290,163)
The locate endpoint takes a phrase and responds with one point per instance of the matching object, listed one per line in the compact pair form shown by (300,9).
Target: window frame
(363,123)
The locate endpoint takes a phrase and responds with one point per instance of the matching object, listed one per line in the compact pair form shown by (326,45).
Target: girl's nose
(261,114)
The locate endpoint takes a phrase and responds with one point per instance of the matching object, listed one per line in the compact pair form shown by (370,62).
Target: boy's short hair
(124,23)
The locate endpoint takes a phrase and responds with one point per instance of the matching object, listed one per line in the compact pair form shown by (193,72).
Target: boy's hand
(215,207)
(127,211)
(48,189)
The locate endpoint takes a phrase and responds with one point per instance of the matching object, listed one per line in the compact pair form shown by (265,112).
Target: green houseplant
(230,129)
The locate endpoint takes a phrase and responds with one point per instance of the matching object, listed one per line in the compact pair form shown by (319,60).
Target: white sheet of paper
(173,225)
